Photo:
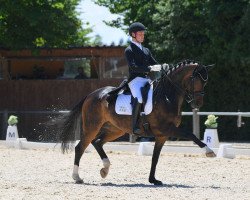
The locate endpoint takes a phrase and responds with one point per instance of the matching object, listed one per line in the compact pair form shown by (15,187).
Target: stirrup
(136,131)
(145,123)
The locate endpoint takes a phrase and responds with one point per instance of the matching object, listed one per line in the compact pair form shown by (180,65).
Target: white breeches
(135,86)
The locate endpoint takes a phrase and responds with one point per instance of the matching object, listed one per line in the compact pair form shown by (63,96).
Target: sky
(95,15)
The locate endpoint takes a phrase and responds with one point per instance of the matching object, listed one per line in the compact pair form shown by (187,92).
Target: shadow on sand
(139,185)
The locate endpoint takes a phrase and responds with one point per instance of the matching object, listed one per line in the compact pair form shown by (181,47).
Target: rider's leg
(135,116)
(135,87)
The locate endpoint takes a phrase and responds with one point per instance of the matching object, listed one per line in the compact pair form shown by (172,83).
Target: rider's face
(139,36)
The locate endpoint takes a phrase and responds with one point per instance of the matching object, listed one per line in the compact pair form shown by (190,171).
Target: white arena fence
(196,117)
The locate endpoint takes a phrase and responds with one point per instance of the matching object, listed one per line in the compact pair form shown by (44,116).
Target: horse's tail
(71,127)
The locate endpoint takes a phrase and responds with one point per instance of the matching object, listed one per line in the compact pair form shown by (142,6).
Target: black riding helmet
(136,26)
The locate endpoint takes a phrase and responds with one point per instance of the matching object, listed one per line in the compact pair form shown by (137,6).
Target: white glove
(155,68)
(165,66)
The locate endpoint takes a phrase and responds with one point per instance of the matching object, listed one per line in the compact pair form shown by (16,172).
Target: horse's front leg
(157,150)
(188,135)
(209,152)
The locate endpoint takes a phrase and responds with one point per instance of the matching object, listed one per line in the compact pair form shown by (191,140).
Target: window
(74,67)
(115,67)
(53,68)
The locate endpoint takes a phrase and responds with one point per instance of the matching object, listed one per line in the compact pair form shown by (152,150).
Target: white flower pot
(211,138)
(12,133)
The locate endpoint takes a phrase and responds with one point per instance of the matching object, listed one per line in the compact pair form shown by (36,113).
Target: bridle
(190,95)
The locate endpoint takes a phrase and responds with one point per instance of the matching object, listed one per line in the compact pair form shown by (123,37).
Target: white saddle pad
(123,104)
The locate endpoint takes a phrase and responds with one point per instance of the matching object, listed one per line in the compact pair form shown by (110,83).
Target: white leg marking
(104,171)
(75,170)
(207,149)
(106,162)
(75,174)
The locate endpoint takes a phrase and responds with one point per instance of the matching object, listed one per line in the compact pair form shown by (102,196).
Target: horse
(97,122)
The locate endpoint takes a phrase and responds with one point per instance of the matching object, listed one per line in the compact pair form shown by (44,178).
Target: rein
(189,96)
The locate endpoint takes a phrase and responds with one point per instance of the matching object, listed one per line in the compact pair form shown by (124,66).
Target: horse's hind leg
(90,133)
(108,133)
(79,150)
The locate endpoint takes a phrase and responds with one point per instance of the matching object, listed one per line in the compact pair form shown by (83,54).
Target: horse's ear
(209,67)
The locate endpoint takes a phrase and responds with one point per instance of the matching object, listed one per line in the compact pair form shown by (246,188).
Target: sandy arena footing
(46,174)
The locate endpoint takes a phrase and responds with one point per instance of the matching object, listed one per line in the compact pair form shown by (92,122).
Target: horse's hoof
(211,154)
(77,178)
(79,181)
(104,172)
(156,182)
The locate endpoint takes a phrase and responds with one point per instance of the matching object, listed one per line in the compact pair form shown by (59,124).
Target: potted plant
(12,133)
(211,134)
(211,122)
(12,121)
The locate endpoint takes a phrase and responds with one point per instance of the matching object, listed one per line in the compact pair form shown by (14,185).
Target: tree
(181,29)
(30,24)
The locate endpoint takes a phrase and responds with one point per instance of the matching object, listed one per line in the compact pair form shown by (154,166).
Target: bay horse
(101,124)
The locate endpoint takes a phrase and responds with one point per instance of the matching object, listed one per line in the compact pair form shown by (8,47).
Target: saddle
(113,93)
(122,95)
(123,100)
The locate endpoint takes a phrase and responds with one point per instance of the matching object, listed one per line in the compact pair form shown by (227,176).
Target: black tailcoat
(138,61)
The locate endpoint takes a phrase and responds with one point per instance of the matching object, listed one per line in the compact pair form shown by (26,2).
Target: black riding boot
(135,116)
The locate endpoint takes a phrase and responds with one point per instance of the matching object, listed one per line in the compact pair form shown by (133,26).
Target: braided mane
(173,69)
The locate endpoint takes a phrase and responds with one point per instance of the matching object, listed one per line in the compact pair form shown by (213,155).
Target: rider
(140,62)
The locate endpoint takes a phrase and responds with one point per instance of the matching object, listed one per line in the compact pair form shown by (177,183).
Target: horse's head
(187,79)
(194,82)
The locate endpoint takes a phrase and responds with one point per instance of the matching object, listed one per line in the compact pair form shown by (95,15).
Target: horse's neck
(177,79)
(165,94)
(170,91)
